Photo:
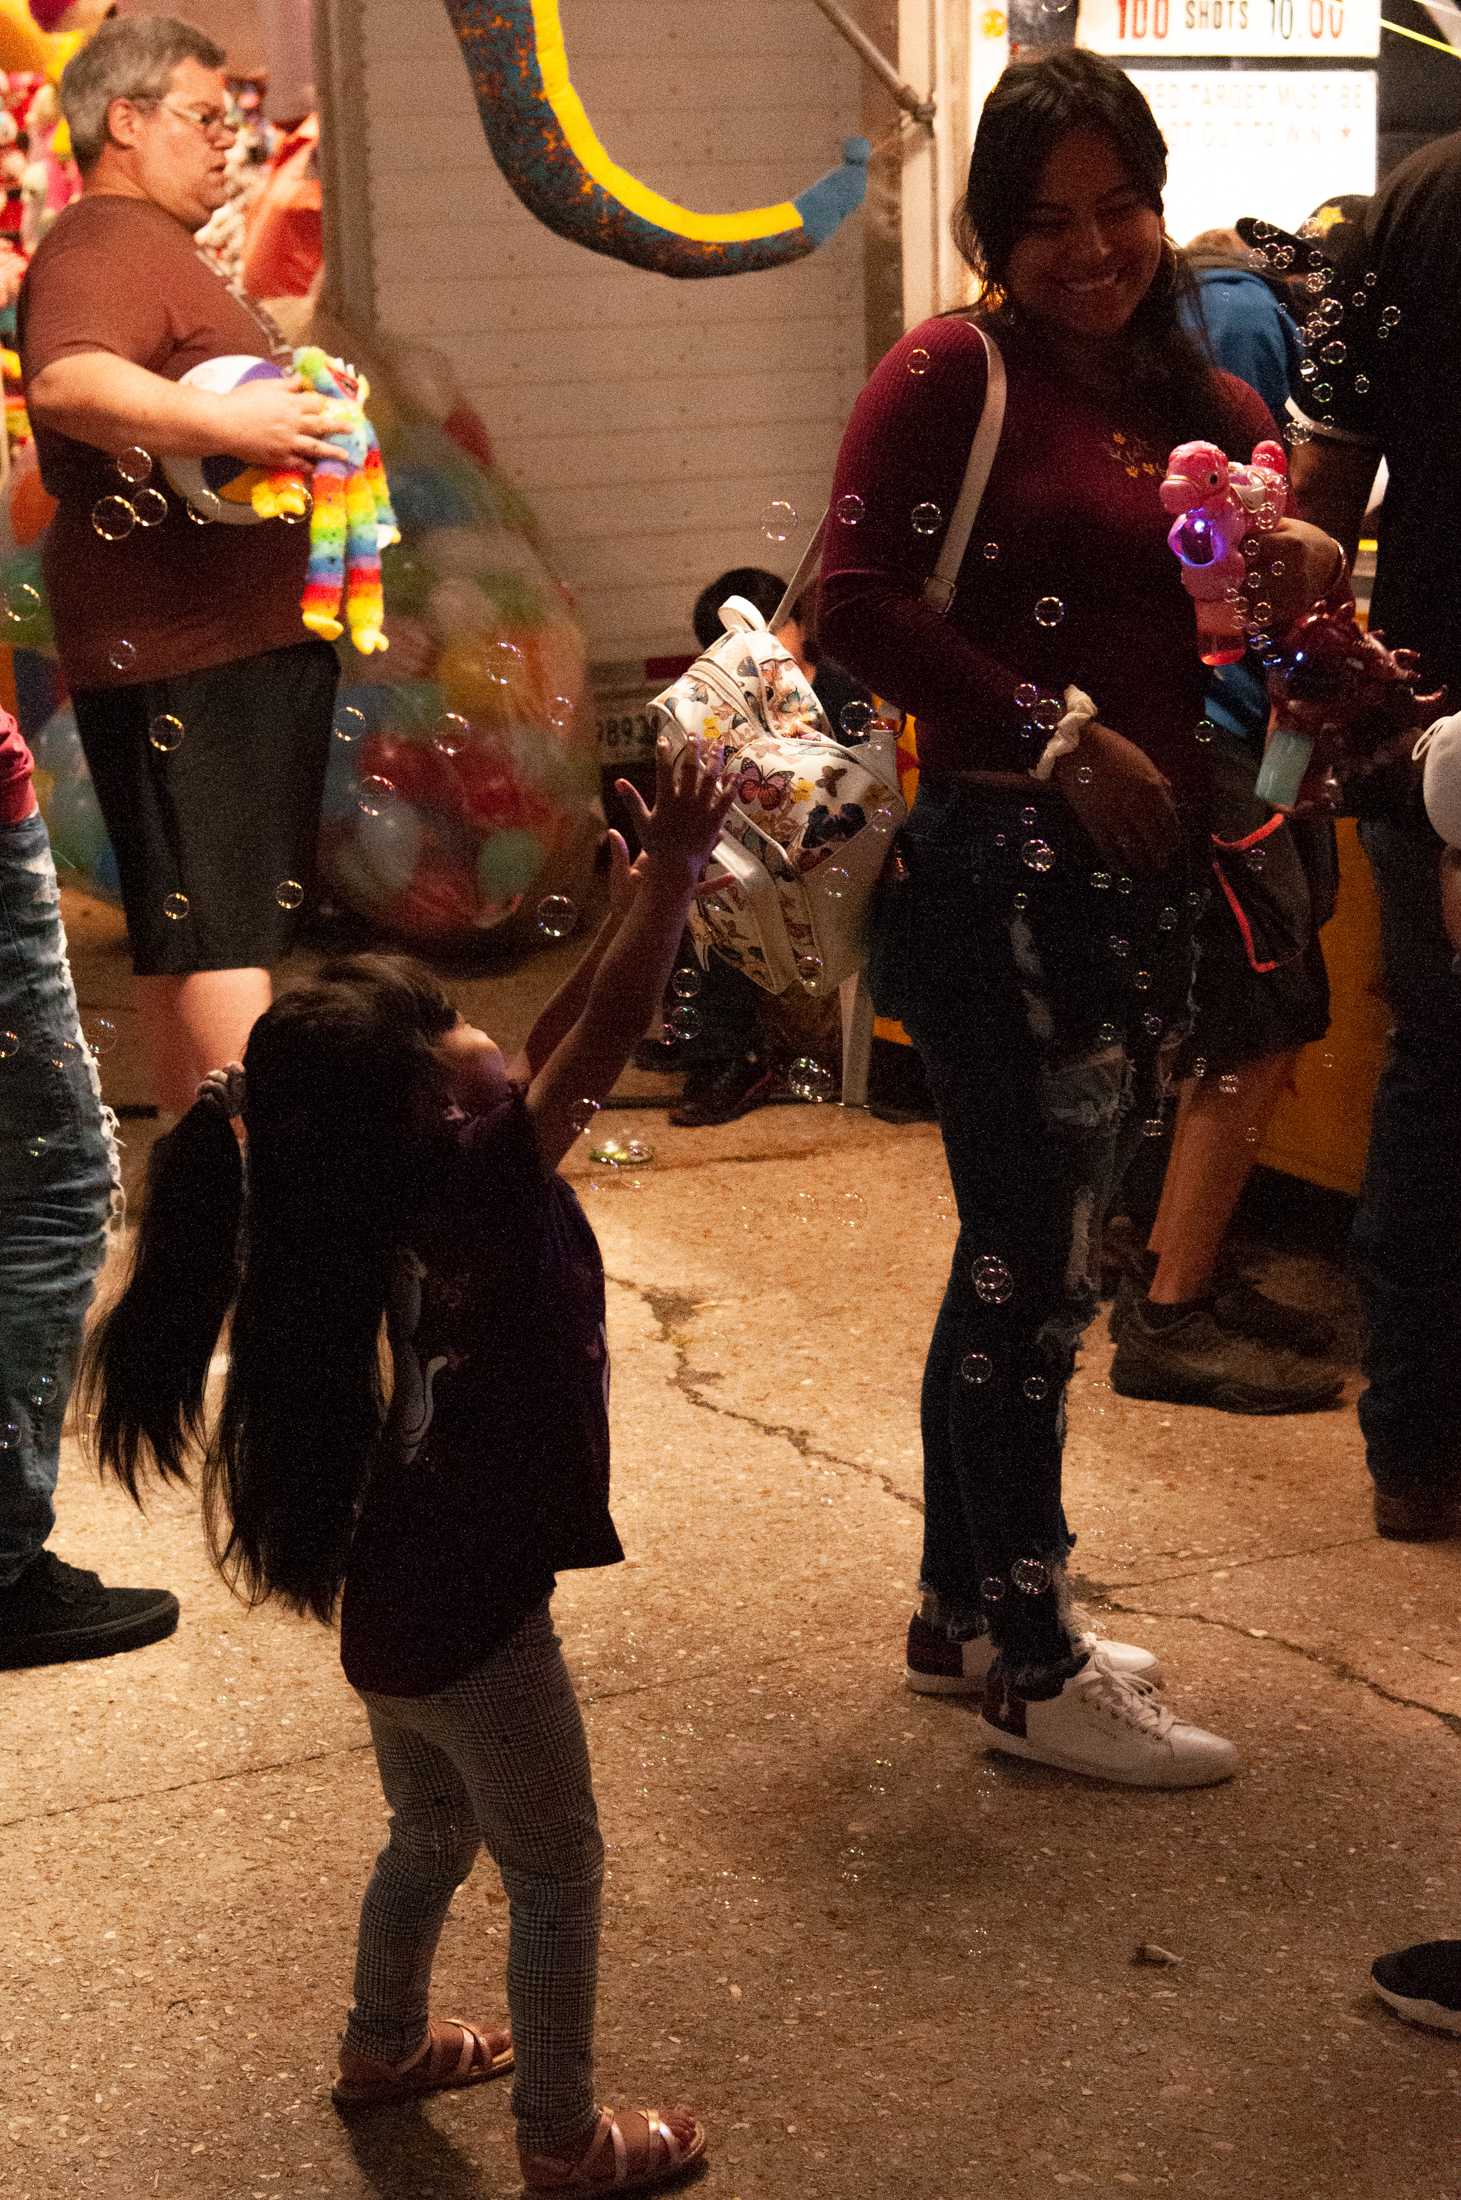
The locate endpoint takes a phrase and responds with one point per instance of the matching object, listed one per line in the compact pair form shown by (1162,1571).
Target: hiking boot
(731,1090)
(1241,1308)
(1422,1984)
(56,1613)
(1194,1361)
(1106,1726)
(938,1667)
(1419,1516)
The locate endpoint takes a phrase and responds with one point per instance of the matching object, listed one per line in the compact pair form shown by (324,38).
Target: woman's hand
(1121,799)
(1296,567)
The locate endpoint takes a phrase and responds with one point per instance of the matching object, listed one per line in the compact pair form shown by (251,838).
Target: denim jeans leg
(59,1181)
(1407,1233)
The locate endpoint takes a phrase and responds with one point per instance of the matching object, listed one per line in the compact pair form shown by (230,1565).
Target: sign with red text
(1293,30)
(1269,142)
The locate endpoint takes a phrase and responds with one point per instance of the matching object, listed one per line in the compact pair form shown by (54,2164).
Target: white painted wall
(650,421)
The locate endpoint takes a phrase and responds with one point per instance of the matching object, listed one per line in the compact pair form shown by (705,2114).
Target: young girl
(396,1170)
(1039,952)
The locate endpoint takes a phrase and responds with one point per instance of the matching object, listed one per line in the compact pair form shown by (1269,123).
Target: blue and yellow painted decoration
(547,149)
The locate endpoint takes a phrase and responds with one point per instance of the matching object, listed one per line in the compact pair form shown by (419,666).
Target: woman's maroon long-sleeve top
(1067,579)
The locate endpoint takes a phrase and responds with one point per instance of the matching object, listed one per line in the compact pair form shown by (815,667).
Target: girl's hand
(1121,799)
(690,806)
(624,876)
(1312,563)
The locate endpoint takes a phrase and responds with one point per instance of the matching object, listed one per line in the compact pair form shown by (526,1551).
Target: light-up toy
(1217,502)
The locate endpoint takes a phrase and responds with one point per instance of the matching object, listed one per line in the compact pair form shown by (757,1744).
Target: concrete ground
(879,1961)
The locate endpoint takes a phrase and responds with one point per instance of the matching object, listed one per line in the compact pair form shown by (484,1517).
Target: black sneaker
(56,1612)
(1422,1984)
(1420,1515)
(730,1091)
(1241,1307)
(1194,1361)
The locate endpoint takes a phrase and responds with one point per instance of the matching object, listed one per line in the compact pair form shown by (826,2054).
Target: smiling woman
(1039,949)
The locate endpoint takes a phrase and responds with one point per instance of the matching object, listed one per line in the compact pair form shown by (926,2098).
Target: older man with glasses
(204,709)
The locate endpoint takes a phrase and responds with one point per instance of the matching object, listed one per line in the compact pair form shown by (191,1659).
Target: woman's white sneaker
(1106,1725)
(937,1667)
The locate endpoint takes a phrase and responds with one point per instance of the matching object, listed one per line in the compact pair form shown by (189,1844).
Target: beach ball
(222,487)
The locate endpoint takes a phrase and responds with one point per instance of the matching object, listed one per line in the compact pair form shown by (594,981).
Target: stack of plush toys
(1341,700)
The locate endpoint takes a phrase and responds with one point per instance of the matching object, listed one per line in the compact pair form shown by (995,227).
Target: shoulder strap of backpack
(938,589)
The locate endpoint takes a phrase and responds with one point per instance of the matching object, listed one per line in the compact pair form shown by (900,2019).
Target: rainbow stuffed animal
(349,507)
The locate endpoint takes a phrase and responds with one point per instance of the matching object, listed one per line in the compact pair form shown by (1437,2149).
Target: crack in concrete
(1218,1563)
(672,1309)
(1338,1669)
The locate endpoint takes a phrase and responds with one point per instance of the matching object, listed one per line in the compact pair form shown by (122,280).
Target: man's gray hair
(129,57)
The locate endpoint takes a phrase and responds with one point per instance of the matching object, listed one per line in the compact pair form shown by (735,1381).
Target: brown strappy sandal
(604,2164)
(452,2054)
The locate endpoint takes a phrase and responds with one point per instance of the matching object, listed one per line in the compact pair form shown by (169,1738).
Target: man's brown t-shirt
(121,275)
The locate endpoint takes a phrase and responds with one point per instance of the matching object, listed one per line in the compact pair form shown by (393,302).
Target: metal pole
(913,103)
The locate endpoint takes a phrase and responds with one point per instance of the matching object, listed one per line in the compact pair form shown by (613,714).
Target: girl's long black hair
(1036,103)
(343,1105)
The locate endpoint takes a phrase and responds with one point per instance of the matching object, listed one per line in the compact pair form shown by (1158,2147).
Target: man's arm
(98,397)
(1332,483)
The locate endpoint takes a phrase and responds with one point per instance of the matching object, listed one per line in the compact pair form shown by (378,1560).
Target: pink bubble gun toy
(1217,502)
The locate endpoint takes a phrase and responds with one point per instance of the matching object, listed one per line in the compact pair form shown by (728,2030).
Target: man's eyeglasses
(214,122)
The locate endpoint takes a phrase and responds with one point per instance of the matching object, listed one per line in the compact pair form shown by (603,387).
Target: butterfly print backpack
(812,820)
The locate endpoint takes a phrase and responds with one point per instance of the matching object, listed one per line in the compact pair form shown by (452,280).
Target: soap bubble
(835,880)
(1029,816)
(9,1435)
(1199,1068)
(9,1045)
(149,507)
(618,1152)
(1334,355)
(65,1054)
(990,553)
(1038,855)
(1119,947)
(1362,385)
(1257,857)
(683,1022)
(1330,311)
(560,712)
(1027,695)
(1152,1024)
(1166,919)
(809,969)
(165,732)
(991,1590)
(113,518)
(856,717)
(122,655)
(289,893)
(134,465)
(1049,611)
(927,519)
(808,1079)
(1142,980)
(1035,1388)
(778,520)
(350,723)
(1101,880)
(849,509)
(101,1036)
(451,733)
(1020,904)
(918,360)
(557,916)
(976,1367)
(1084,776)
(1228,1085)
(175,907)
(22,602)
(374,794)
(297,518)
(582,1113)
(201,515)
(36,1147)
(505,663)
(1031,1576)
(1048,713)
(993,1283)
(1124,882)
(1107,1035)
(43,1391)
(1153,1127)
(1389,317)
(685,982)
